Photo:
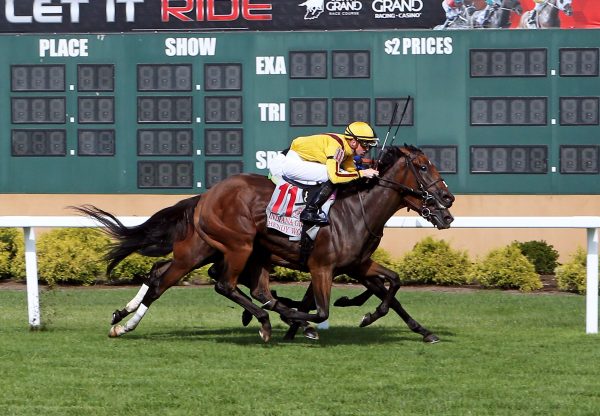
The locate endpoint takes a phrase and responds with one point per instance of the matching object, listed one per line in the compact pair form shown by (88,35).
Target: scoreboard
(499,112)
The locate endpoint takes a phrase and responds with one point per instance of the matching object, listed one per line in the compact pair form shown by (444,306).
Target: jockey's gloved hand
(368,173)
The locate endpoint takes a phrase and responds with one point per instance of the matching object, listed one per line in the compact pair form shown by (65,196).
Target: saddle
(284,208)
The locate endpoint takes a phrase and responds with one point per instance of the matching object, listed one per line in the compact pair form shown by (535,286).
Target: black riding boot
(313,214)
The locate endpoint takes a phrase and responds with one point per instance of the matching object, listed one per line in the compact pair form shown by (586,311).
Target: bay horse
(227,226)
(548,16)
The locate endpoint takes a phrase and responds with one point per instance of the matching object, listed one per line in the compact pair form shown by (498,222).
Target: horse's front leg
(377,287)
(372,271)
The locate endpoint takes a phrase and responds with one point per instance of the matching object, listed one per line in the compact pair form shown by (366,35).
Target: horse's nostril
(448,219)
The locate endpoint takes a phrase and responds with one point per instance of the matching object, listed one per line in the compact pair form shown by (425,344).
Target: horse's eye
(423,168)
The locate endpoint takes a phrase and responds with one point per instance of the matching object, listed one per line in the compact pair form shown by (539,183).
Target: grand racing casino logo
(397,9)
(314,8)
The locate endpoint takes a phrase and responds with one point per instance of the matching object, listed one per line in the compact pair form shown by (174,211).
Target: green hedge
(571,276)
(434,261)
(506,268)
(542,255)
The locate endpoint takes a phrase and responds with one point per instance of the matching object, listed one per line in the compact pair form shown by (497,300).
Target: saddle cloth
(285,206)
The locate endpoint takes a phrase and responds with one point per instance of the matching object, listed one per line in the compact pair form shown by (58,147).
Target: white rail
(591,224)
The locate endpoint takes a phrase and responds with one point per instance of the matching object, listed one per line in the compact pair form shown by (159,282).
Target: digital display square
(95,77)
(308,112)
(223,142)
(579,159)
(509,159)
(384,109)
(223,109)
(37,78)
(165,142)
(96,109)
(217,171)
(351,64)
(51,110)
(347,110)
(444,158)
(504,111)
(222,77)
(308,64)
(164,109)
(38,143)
(579,62)
(96,142)
(579,111)
(162,174)
(508,62)
(165,77)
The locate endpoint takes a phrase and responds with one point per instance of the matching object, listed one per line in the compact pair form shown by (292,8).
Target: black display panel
(37,78)
(96,109)
(164,109)
(223,142)
(50,110)
(222,77)
(508,62)
(164,77)
(165,174)
(515,111)
(96,142)
(38,143)
(444,158)
(223,109)
(308,64)
(346,110)
(163,142)
(351,64)
(95,77)
(579,159)
(509,159)
(217,171)
(308,112)
(579,62)
(578,111)
(384,109)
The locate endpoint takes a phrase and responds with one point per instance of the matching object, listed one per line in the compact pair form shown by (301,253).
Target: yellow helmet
(360,130)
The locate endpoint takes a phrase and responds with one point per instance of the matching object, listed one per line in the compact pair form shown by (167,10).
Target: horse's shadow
(338,335)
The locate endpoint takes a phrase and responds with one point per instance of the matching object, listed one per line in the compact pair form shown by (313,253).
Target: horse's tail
(153,238)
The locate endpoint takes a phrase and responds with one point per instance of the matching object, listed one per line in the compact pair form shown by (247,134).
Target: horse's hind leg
(153,276)
(188,254)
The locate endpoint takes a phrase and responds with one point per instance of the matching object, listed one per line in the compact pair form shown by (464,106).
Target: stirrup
(313,216)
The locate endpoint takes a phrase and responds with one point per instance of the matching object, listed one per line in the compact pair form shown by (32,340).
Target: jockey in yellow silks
(328,159)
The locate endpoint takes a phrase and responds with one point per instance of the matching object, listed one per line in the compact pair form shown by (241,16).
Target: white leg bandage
(135,302)
(135,320)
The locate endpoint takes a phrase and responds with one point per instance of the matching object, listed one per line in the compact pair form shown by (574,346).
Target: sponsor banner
(102,16)
(105,16)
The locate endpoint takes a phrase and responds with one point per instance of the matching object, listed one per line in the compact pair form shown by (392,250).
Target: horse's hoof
(311,333)
(431,339)
(246,318)
(116,331)
(343,301)
(116,317)
(265,334)
(366,320)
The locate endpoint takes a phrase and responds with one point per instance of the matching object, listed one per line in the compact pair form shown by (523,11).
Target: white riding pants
(298,169)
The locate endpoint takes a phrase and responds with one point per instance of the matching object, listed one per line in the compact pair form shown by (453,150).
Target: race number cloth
(287,202)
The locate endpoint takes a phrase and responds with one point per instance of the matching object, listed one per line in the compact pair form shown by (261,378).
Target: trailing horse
(548,16)
(227,226)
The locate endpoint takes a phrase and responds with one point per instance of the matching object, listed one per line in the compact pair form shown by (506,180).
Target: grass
(501,354)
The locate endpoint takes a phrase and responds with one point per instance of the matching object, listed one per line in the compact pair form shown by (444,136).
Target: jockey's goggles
(367,144)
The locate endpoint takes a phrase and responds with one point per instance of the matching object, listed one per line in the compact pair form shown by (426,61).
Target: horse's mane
(388,158)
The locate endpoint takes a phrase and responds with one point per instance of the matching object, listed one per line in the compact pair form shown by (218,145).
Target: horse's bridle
(422,193)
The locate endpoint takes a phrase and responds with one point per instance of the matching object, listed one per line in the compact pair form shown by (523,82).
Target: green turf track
(501,354)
